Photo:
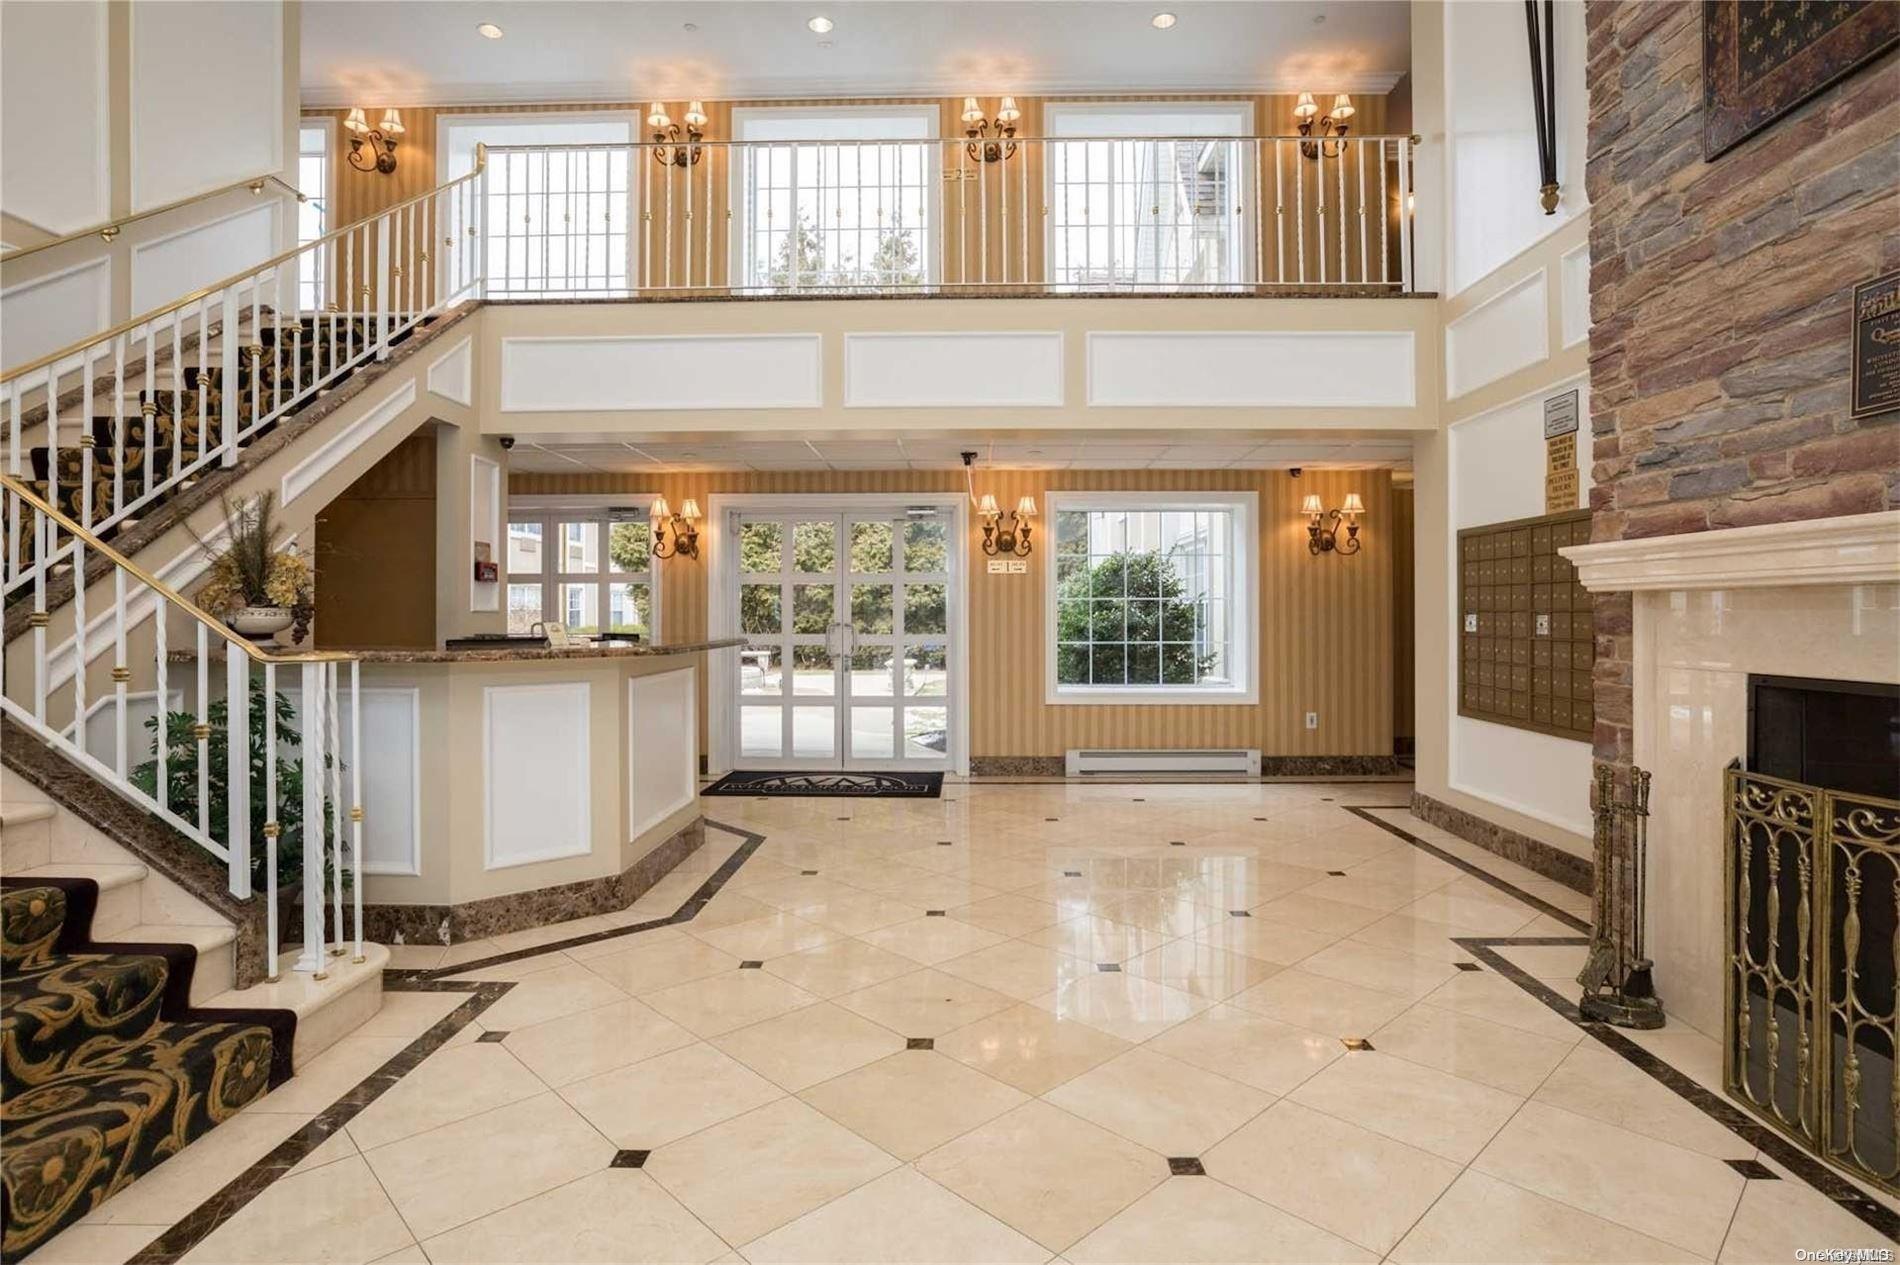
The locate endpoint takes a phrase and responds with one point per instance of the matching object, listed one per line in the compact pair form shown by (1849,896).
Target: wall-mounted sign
(1560,415)
(1877,345)
(1561,480)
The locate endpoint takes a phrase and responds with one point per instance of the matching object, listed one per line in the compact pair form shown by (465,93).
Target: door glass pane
(761,731)
(926,546)
(580,607)
(926,732)
(632,608)
(813,671)
(925,672)
(762,670)
(524,607)
(759,546)
(628,546)
(871,734)
(870,547)
(815,547)
(924,608)
(871,672)
(580,548)
(813,606)
(871,607)
(524,549)
(759,610)
(814,732)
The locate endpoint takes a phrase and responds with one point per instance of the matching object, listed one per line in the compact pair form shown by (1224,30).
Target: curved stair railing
(108,428)
(243,782)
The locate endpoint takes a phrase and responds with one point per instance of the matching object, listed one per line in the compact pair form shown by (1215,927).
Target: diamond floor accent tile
(1468,966)
(920,1043)
(751,964)
(492,1037)
(1185,1166)
(629,1159)
(1754,1170)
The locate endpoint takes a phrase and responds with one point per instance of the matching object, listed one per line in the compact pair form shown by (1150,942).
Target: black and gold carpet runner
(106,1070)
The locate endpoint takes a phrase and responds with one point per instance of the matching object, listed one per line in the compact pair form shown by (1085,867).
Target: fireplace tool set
(1618,985)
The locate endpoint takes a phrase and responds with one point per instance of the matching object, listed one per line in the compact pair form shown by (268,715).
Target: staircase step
(327,1009)
(119,894)
(216,968)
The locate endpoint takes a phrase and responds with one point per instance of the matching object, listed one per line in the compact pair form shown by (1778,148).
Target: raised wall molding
(41,316)
(1252,369)
(1849,549)
(662,757)
(451,376)
(536,767)
(198,255)
(392,778)
(956,369)
(637,372)
(1507,332)
(1574,275)
(307,473)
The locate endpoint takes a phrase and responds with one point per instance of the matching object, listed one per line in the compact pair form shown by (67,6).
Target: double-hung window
(589,569)
(834,197)
(1152,598)
(1149,193)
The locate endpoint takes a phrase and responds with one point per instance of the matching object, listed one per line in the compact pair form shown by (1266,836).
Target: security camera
(1295,471)
(507,442)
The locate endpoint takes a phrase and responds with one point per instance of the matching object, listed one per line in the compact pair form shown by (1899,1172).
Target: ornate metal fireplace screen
(1813,882)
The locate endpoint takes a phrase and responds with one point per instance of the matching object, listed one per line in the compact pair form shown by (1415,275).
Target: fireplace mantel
(1850,549)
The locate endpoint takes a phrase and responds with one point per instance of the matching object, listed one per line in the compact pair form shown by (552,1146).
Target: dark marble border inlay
(1365,813)
(1515,846)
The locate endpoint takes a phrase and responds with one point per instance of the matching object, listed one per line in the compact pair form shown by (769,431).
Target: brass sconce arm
(675,535)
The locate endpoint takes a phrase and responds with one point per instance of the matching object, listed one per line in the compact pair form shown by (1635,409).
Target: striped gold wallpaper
(1326,624)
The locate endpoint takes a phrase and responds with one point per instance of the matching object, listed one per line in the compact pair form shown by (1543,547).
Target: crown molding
(789,88)
(1848,549)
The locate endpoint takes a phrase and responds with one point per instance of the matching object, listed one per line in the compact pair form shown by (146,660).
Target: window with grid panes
(591,570)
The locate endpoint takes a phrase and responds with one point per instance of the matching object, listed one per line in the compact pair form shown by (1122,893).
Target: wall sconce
(1335,123)
(1013,539)
(666,135)
(381,141)
(684,542)
(1324,538)
(991,141)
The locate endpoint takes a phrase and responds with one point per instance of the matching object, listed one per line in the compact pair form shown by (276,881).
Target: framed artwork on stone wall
(1762,58)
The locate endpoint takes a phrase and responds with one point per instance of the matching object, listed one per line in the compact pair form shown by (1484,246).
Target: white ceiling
(1060,451)
(415,52)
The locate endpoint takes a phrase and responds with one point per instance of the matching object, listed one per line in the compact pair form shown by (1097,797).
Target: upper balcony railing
(1207,214)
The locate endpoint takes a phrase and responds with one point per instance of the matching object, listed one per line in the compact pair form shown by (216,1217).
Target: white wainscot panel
(662,747)
(1507,332)
(190,259)
(1252,369)
(391,718)
(954,370)
(450,376)
(199,64)
(40,317)
(307,473)
(484,528)
(553,375)
(1575,278)
(535,766)
(53,132)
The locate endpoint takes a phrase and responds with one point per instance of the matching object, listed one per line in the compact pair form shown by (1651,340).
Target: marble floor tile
(1484,1221)
(1048,1174)
(901,1218)
(721,1003)
(1305,1000)
(198,1172)
(851,911)
(1488,995)
(1597,1083)
(1166,1105)
(1421,1106)
(449,1085)
(565,990)
(1505,1058)
(841,966)
(925,1003)
(454,1174)
(1121,1004)
(1202,969)
(330,1075)
(1248,1047)
(1356,1183)
(339,1213)
(408,1015)
(85,1244)
(929,941)
(645,1105)
(1016,967)
(766,937)
(1663,1191)
(646,966)
(913,1101)
(1776,1219)
(1317,913)
(1556,964)
(812,1044)
(1194,1220)
(1474,914)
(563,1050)
(754,1173)
(1030,1048)
(1280,943)
(1009,914)
(614,1216)
(1094,938)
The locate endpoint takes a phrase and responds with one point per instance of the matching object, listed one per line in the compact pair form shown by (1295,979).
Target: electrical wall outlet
(1312,720)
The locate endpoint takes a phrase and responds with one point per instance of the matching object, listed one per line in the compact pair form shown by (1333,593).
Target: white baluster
(332,774)
(228,380)
(201,733)
(122,674)
(356,800)
(237,765)
(312,959)
(272,828)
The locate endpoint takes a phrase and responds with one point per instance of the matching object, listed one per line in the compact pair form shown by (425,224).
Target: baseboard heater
(1081,763)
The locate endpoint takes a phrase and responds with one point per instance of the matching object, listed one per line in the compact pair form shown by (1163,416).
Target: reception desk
(510,787)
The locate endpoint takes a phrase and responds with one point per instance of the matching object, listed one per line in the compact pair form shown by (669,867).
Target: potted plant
(255,585)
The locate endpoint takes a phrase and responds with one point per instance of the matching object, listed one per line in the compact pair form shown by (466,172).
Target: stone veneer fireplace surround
(1819,598)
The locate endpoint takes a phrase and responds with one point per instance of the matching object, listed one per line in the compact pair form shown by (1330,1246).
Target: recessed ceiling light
(690,26)
(819,25)
(824,43)
(488,30)
(1162,21)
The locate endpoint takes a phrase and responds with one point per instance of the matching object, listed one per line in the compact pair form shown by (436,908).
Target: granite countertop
(518,654)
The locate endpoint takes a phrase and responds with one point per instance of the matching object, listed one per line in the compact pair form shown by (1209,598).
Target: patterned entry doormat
(901,785)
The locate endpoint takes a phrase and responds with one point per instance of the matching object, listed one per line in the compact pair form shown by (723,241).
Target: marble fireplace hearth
(1810,599)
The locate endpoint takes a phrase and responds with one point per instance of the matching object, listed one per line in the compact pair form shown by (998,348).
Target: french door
(848,652)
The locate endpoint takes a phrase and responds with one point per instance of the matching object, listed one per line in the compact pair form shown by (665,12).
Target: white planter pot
(260,623)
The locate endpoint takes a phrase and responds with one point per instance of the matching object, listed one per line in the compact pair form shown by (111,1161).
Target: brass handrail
(164,590)
(145,318)
(112,228)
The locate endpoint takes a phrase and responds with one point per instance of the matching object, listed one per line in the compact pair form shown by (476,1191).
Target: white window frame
(739,196)
(1244,614)
(326,199)
(550,512)
(1054,113)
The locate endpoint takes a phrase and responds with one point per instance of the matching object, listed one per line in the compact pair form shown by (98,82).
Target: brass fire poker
(1618,985)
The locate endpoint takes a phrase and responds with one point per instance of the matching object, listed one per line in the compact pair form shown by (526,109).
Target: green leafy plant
(250,570)
(1127,618)
(181,782)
